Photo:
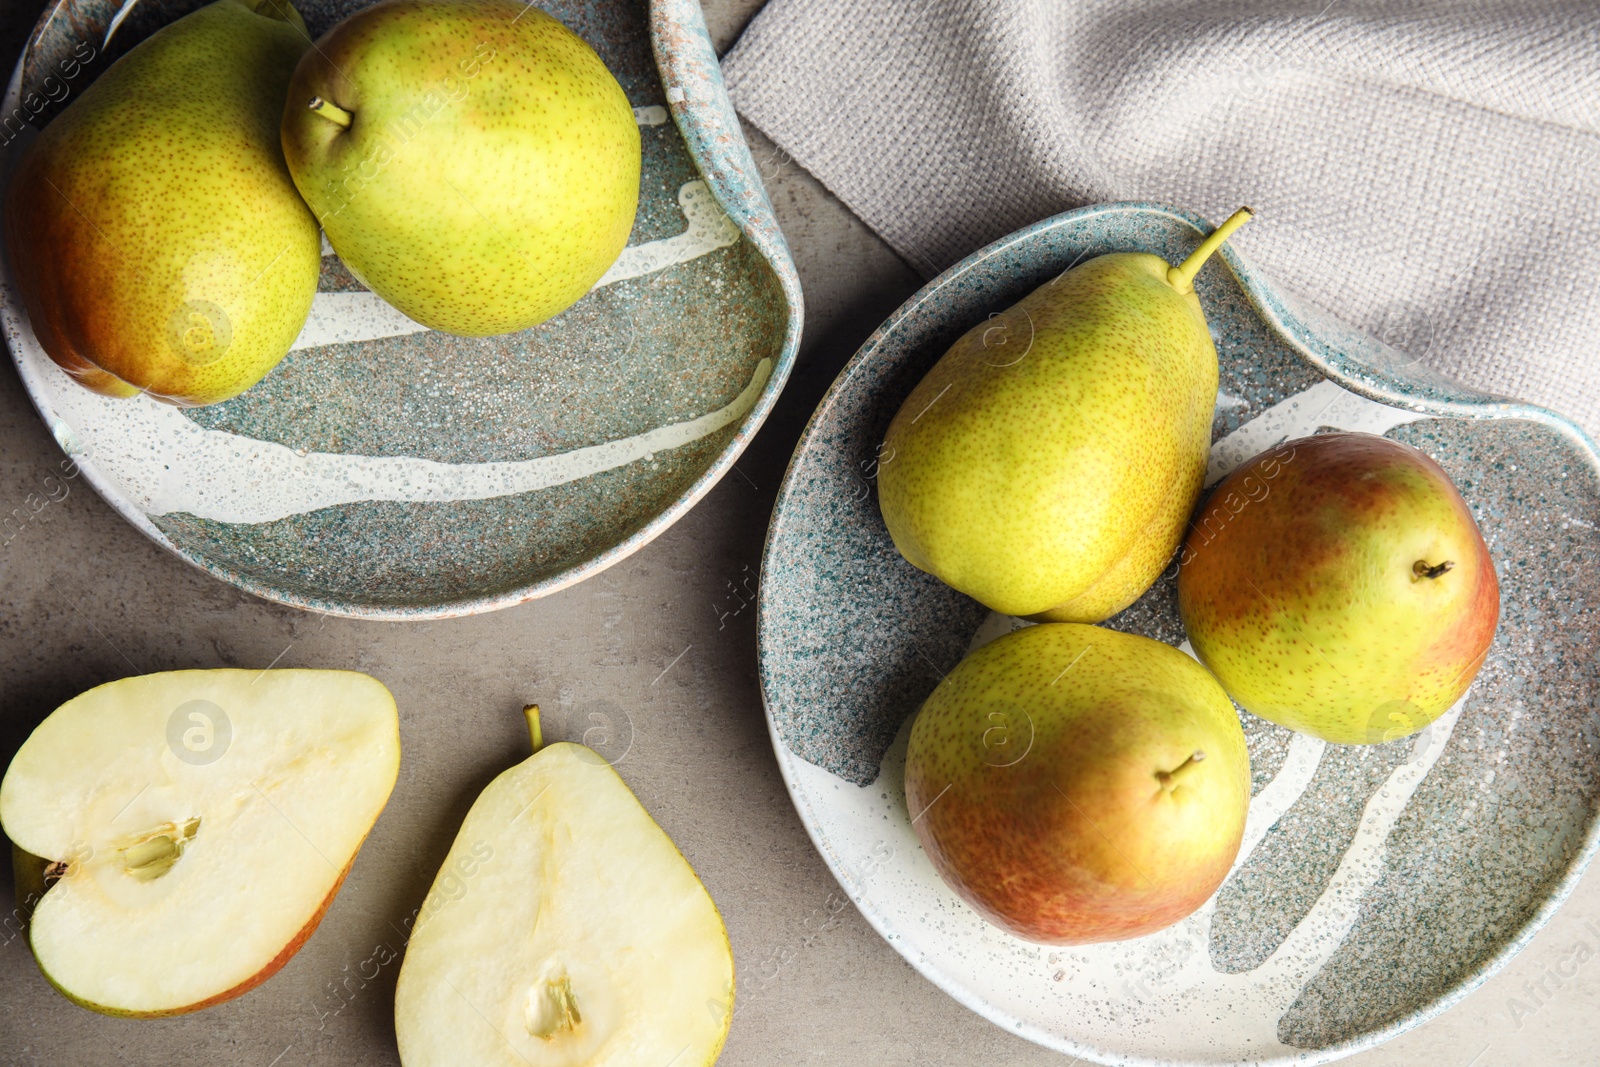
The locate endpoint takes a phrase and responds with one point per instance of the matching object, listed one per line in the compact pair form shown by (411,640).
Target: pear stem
(531,713)
(1181,277)
(1166,777)
(331,111)
(1421,569)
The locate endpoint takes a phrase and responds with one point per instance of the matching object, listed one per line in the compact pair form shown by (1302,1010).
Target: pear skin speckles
(490,173)
(1055,451)
(1298,588)
(1053,780)
(158,243)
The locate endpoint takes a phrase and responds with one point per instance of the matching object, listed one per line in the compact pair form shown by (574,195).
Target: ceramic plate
(386,470)
(1376,885)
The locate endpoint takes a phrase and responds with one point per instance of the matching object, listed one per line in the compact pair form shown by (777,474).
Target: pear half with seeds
(178,836)
(564,929)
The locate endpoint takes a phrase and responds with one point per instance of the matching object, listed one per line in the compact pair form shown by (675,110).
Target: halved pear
(564,929)
(180,835)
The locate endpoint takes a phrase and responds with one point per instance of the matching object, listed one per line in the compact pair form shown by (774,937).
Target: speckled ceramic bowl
(1377,885)
(388,471)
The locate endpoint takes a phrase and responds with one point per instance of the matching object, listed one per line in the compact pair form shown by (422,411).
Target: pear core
(552,1008)
(158,850)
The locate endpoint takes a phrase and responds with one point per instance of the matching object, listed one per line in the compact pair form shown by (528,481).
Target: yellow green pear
(156,239)
(1047,464)
(473,162)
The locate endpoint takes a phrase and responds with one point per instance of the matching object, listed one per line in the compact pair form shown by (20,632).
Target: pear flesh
(473,162)
(564,929)
(180,835)
(1047,464)
(156,239)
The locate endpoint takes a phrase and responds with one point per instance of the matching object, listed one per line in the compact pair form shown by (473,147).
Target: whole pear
(473,162)
(155,237)
(1047,463)
(1338,585)
(1076,784)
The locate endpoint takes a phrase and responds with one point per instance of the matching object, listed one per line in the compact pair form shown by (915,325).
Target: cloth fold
(1427,171)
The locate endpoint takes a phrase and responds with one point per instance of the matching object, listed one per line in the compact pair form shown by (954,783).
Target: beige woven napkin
(1427,171)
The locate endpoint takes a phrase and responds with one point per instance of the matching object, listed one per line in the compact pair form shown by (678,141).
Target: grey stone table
(84,599)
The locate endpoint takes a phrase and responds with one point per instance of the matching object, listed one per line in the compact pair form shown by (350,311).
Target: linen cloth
(1427,171)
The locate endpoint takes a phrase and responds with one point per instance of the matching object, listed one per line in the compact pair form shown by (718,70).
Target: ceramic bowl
(1377,885)
(389,471)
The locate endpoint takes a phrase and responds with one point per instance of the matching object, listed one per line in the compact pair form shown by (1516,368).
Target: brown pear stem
(1166,777)
(1421,569)
(1181,277)
(274,9)
(531,713)
(332,112)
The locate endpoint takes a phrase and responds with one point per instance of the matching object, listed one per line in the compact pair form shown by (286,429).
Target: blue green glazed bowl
(388,471)
(1377,885)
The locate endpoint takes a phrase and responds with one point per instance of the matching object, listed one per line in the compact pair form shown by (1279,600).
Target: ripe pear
(473,162)
(155,237)
(1047,463)
(1338,585)
(1076,784)
(564,928)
